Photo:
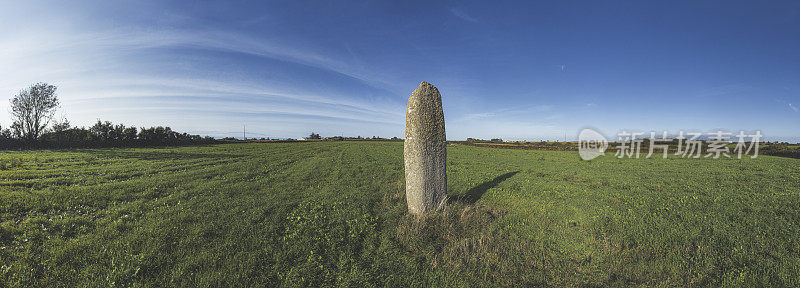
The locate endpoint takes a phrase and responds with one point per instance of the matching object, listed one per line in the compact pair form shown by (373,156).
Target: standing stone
(424,151)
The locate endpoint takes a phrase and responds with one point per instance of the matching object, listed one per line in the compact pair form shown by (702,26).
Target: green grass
(333,214)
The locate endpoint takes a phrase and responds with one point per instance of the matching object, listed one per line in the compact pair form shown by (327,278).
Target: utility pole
(244,132)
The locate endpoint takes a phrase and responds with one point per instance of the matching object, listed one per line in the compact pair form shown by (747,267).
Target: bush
(102,134)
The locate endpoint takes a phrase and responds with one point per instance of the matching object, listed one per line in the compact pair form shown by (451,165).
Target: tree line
(33,109)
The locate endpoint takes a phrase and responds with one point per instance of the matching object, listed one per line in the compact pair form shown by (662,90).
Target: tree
(102,131)
(32,110)
(129,134)
(61,126)
(314,136)
(5,133)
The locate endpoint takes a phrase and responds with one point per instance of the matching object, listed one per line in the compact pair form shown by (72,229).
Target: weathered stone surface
(424,151)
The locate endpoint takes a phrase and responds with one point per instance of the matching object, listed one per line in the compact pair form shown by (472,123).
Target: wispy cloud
(794,108)
(529,110)
(462,15)
(721,90)
(478,115)
(511,129)
(130,73)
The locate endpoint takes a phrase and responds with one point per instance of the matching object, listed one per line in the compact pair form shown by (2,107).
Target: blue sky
(517,70)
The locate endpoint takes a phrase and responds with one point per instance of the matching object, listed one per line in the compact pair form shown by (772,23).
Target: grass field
(333,213)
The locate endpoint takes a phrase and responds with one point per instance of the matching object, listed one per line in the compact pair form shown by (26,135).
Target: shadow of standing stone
(475,194)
